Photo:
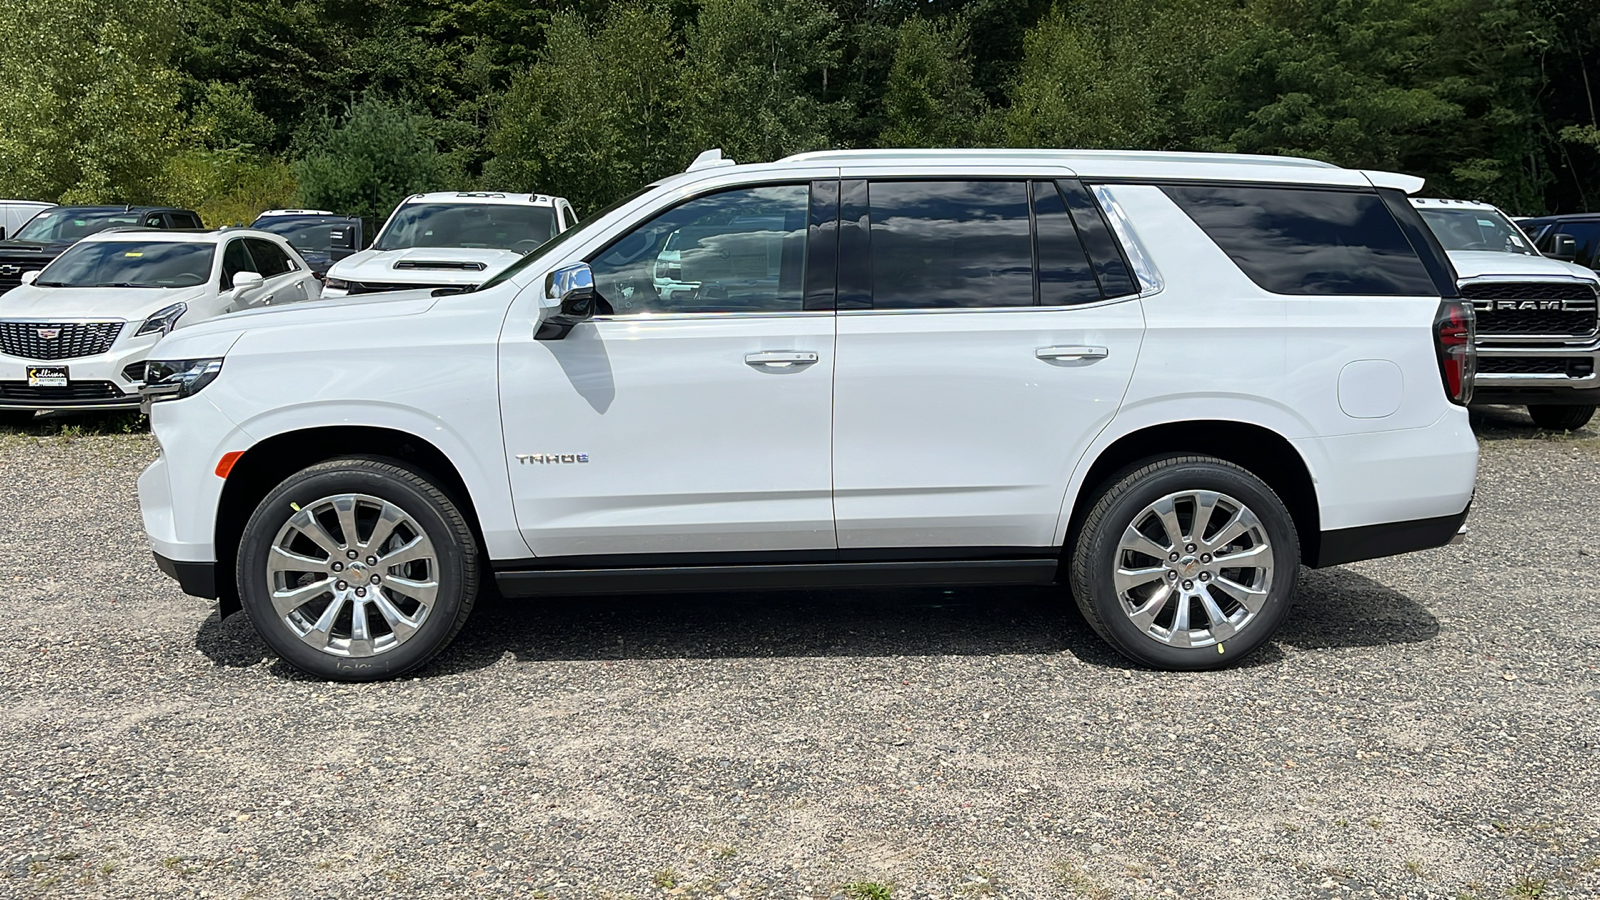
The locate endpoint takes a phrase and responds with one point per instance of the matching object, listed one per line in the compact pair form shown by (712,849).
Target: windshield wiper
(52,284)
(121,284)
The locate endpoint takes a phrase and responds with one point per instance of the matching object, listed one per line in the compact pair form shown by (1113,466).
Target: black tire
(1096,555)
(456,567)
(1561,418)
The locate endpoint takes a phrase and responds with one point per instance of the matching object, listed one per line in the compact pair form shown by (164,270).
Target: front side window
(491,226)
(143,264)
(235,259)
(950,244)
(270,259)
(1475,229)
(736,251)
(1308,241)
(58,225)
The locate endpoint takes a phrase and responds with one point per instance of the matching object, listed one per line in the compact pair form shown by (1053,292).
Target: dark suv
(50,232)
(1583,228)
(321,237)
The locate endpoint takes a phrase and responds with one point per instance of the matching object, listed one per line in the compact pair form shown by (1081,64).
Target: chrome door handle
(781,359)
(1072,353)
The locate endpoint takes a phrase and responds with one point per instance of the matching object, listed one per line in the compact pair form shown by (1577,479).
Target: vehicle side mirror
(342,239)
(2,234)
(1563,247)
(29,277)
(244,280)
(571,290)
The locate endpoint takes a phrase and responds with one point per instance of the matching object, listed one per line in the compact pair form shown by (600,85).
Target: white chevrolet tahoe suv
(453,240)
(1166,381)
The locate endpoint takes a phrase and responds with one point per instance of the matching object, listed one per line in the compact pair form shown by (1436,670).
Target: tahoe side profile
(1165,381)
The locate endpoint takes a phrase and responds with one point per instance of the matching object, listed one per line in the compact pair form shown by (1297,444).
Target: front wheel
(1561,418)
(1186,562)
(357,570)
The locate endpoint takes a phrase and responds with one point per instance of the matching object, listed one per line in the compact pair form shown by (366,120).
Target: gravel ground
(1423,727)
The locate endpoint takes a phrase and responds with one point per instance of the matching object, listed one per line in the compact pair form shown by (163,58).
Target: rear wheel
(357,570)
(1186,562)
(1561,418)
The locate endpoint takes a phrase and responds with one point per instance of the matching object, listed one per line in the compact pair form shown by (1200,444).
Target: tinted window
(1098,240)
(1587,234)
(950,244)
(736,251)
(1308,241)
(1065,276)
(186,220)
(270,259)
(235,259)
(72,224)
(130,264)
(487,225)
(1475,229)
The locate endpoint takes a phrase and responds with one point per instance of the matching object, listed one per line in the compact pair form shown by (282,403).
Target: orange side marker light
(226,464)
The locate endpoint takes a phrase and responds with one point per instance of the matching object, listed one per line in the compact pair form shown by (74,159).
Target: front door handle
(1072,353)
(781,359)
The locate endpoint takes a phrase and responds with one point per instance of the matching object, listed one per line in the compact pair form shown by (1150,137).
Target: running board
(665,579)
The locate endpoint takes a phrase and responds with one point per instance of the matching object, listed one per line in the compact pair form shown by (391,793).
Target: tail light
(1455,330)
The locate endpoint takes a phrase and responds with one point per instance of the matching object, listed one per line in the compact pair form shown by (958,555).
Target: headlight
(336,284)
(163,321)
(174,379)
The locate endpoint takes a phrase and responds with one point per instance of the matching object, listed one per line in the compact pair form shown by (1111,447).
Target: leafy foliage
(364,164)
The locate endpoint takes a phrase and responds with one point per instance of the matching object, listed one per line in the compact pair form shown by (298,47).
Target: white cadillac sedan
(75,336)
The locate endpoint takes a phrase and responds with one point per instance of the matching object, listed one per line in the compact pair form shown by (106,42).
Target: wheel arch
(267,463)
(1263,452)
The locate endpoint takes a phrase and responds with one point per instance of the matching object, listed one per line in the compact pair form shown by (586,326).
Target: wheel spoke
(360,634)
(1230,532)
(1167,512)
(283,560)
(1221,629)
(389,518)
(1205,503)
(402,625)
(288,600)
(1134,539)
(1145,616)
(322,632)
(345,507)
(1251,557)
(418,548)
(1249,598)
(1180,617)
(307,524)
(1128,579)
(423,592)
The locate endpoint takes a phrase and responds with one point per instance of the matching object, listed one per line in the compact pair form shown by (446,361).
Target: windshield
(59,225)
(142,264)
(476,225)
(1476,229)
(545,249)
(324,235)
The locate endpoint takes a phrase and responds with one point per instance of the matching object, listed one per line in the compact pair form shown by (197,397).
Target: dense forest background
(232,106)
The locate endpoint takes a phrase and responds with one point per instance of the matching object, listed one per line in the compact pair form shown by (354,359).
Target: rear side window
(950,244)
(270,258)
(1308,241)
(1065,275)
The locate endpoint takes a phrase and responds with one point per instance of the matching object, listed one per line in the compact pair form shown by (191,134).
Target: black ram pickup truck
(52,231)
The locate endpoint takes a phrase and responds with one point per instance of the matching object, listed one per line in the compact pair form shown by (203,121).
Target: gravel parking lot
(1423,727)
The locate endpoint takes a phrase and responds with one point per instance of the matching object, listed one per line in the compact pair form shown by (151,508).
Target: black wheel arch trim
(1347,545)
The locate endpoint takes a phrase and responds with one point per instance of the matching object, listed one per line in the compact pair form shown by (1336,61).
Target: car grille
(1517,365)
(76,392)
(1553,308)
(11,270)
(373,287)
(34,340)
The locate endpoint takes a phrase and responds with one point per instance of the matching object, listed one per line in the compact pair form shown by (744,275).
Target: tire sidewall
(1181,477)
(306,488)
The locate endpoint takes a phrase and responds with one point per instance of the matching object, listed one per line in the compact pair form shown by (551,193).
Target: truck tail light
(1455,331)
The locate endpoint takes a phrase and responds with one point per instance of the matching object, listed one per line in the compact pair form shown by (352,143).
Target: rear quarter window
(1308,241)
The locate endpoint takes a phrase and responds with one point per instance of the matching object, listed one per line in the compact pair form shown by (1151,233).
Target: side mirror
(571,289)
(342,239)
(29,277)
(2,234)
(243,280)
(1563,247)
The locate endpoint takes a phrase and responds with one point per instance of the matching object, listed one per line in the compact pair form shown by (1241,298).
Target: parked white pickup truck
(450,240)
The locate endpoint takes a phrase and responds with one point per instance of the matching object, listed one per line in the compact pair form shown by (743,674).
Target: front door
(694,414)
(981,348)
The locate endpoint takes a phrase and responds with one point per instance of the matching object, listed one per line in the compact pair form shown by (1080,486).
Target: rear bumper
(1347,545)
(197,579)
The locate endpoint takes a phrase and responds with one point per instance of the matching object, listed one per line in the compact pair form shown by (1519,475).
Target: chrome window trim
(636,318)
(945,310)
(1144,269)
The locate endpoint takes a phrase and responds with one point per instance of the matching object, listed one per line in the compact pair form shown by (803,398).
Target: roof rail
(711,159)
(1042,152)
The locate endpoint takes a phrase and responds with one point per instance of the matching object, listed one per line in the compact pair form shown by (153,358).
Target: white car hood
(132,304)
(378,266)
(358,308)
(1476,263)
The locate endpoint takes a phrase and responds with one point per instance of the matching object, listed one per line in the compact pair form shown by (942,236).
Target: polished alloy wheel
(352,575)
(1194,568)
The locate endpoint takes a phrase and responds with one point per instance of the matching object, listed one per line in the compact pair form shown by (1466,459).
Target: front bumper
(1553,374)
(98,382)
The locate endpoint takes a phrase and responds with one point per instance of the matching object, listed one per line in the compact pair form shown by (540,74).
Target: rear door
(987,332)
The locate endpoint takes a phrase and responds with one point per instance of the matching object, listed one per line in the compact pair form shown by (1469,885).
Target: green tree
(366,163)
(929,100)
(592,119)
(90,105)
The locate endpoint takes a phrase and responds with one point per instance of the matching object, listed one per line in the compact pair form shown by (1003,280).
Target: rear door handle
(1072,353)
(781,359)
